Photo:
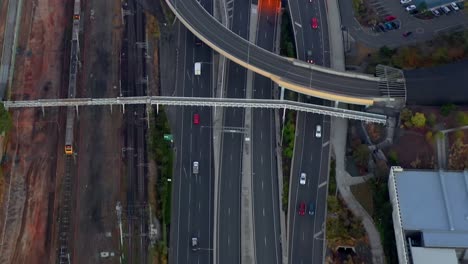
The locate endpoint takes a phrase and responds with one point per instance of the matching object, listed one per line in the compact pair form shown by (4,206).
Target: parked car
(388,26)
(445,9)
(454,6)
(395,25)
(390,18)
(302,178)
(435,12)
(407,33)
(410,8)
(382,27)
(405,1)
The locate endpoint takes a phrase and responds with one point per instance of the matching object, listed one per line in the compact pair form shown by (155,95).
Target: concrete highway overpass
(289,73)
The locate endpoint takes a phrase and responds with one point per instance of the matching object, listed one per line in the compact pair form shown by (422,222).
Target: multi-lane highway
(306,238)
(292,74)
(267,235)
(230,171)
(192,199)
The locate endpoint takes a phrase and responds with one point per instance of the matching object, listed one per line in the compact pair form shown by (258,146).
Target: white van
(197,68)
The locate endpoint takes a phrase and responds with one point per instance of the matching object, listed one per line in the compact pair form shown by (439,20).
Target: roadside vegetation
(443,49)
(364,12)
(288,136)
(160,150)
(6,124)
(343,229)
(287,36)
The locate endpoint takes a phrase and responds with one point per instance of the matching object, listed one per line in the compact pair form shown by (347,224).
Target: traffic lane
(229,209)
(265,204)
(311,165)
(219,35)
(297,24)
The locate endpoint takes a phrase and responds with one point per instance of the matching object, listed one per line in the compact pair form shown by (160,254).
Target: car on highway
(410,8)
(198,42)
(196,119)
(309,57)
(454,6)
(314,23)
(301,209)
(404,2)
(302,178)
(318,131)
(194,243)
(195,167)
(311,208)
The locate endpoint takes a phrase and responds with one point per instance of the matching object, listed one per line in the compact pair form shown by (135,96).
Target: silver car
(302,179)
(195,167)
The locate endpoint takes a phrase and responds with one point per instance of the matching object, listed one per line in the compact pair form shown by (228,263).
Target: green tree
(429,136)
(446,109)
(393,157)
(462,118)
(418,120)
(441,55)
(361,155)
(459,135)
(5,120)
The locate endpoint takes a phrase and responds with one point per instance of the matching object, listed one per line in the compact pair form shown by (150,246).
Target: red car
(196,119)
(302,208)
(314,23)
(390,18)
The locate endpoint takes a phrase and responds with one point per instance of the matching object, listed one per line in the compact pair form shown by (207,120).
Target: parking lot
(421,29)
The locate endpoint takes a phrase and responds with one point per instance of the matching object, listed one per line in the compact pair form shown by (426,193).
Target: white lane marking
(303,236)
(261,159)
(326,143)
(229,210)
(265,241)
(262,184)
(263,210)
(322,184)
(318,234)
(261,135)
(297,24)
(229,240)
(199,206)
(230,157)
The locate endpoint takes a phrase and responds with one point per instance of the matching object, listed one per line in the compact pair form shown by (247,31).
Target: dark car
(407,33)
(382,27)
(311,209)
(198,42)
(395,25)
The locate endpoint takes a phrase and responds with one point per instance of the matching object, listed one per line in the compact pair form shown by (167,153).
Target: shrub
(393,157)
(406,114)
(462,118)
(446,109)
(431,119)
(361,155)
(418,120)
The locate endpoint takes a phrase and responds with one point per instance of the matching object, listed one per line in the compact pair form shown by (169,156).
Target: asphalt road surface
(229,218)
(267,234)
(192,200)
(306,243)
(210,29)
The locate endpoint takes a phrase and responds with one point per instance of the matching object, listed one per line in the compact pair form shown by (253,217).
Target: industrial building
(430,215)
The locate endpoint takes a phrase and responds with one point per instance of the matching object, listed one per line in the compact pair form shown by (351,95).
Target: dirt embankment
(33,151)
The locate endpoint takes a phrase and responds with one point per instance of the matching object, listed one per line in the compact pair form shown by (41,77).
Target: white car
(302,179)
(194,243)
(410,8)
(195,167)
(454,6)
(318,131)
(403,2)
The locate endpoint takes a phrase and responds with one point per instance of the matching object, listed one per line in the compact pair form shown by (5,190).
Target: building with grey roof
(430,215)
